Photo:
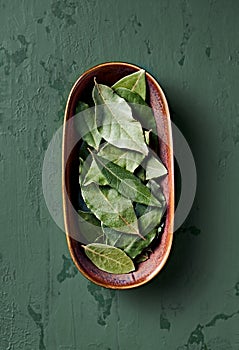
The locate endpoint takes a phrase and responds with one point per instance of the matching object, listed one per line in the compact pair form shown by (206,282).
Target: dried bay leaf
(156,191)
(140,173)
(85,124)
(111,208)
(89,216)
(153,165)
(125,158)
(134,82)
(147,136)
(115,120)
(108,258)
(117,238)
(141,111)
(81,106)
(142,257)
(150,219)
(89,230)
(90,172)
(84,150)
(138,245)
(131,245)
(90,226)
(125,182)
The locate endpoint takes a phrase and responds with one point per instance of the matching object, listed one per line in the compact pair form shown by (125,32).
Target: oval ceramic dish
(108,74)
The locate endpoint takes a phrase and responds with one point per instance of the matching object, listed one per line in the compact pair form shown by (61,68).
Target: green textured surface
(192,48)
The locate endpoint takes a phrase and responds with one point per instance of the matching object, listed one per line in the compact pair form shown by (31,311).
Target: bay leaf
(90,172)
(156,191)
(142,257)
(80,166)
(150,219)
(90,226)
(140,209)
(125,182)
(117,238)
(131,245)
(141,111)
(108,258)
(84,150)
(134,82)
(138,245)
(115,120)
(111,208)
(90,217)
(81,205)
(125,158)
(85,124)
(146,136)
(153,165)
(81,106)
(89,232)
(140,173)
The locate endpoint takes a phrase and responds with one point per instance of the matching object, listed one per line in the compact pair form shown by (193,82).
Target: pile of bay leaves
(120,193)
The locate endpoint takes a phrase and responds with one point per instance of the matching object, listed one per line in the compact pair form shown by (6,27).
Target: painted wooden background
(192,48)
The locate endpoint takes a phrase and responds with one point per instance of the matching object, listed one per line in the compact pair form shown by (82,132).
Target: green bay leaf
(125,158)
(147,136)
(108,258)
(89,231)
(142,257)
(156,191)
(85,124)
(90,226)
(141,111)
(111,208)
(125,182)
(138,245)
(90,172)
(135,82)
(81,106)
(117,238)
(150,219)
(154,167)
(115,120)
(140,173)
(84,150)
(132,245)
(89,216)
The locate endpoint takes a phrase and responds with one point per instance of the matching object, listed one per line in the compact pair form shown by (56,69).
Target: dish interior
(108,74)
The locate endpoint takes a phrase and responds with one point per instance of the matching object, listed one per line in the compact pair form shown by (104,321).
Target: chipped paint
(37,318)
(68,270)
(103,298)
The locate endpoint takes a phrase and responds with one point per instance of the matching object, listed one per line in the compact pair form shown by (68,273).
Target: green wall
(192,48)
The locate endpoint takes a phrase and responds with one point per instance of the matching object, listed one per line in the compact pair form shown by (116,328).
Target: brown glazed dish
(108,74)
